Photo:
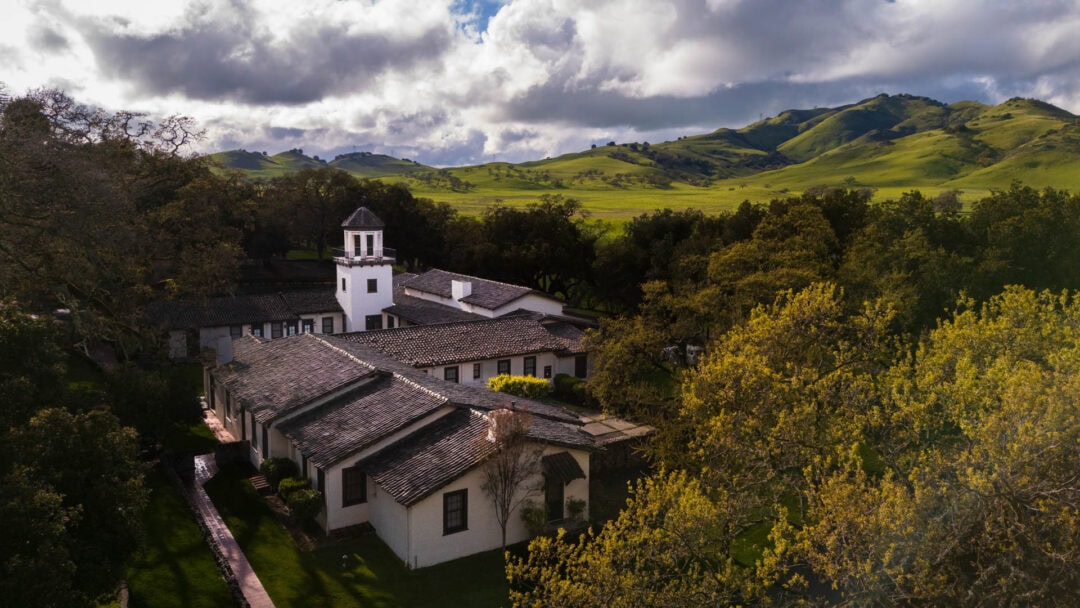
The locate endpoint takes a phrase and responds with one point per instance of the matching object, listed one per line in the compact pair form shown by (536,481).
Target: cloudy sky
(451,82)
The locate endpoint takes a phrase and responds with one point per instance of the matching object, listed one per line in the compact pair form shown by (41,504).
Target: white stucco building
(390,445)
(367,296)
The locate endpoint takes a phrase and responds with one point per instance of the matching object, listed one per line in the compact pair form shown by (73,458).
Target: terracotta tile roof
(241,309)
(434,456)
(459,394)
(273,378)
(443,451)
(331,432)
(425,312)
(376,397)
(363,219)
(485,293)
(447,343)
(311,301)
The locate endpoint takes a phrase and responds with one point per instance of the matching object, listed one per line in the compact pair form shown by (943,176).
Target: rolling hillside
(890,143)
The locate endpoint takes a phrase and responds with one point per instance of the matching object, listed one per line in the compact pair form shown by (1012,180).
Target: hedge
(521,386)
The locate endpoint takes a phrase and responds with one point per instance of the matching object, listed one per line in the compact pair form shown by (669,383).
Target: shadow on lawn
(371,575)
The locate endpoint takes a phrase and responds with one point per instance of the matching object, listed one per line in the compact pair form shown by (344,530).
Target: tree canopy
(71,491)
(940,474)
(99,213)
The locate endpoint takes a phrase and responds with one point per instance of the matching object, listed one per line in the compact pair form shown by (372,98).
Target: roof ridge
(417,385)
(418,328)
(469,276)
(341,350)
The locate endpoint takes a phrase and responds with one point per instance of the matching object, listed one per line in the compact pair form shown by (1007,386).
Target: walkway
(205,469)
(218,429)
(254,593)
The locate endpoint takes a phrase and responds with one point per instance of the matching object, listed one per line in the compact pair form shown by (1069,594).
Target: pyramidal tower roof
(362,219)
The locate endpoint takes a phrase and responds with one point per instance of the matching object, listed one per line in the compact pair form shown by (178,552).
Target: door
(553,498)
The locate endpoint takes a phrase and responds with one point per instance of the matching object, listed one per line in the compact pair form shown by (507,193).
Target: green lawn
(174,567)
(373,576)
(194,439)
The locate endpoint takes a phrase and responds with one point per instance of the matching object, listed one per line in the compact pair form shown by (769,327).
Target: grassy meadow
(889,144)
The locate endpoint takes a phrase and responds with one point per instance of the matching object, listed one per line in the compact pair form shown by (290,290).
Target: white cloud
(472,80)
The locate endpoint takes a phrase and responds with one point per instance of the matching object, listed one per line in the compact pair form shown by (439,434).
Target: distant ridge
(258,165)
(884,142)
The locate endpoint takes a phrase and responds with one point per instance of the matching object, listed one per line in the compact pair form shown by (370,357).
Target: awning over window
(562,467)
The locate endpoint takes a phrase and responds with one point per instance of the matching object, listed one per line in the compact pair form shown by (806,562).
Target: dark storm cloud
(285,132)
(780,55)
(45,38)
(226,61)
(735,105)
(449,153)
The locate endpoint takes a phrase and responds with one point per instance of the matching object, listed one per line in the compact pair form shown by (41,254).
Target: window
(307,326)
(275,330)
(390,322)
(228,406)
(547,371)
(257,330)
(303,466)
(371,244)
(475,370)
(254,432)
(450,374)
(372,285)
(580,366)
(455,511)
(503,366)
(343,284)
(235,331)
(265,442)
(353,486)
(529,366)
(328,325)
(290,328)
(373,322)
(320,480)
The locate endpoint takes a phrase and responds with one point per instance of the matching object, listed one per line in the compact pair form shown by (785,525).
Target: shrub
(535,517)
(570,389)
(575,507)
(290,485)
(305,504)
(521,386)
(276,469)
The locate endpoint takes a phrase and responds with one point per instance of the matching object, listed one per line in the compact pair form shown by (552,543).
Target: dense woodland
(883,410)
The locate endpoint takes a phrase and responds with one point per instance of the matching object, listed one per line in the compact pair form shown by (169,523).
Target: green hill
(890,143)
(367,164)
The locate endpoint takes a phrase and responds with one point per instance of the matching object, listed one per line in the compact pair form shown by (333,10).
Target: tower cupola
(364,271)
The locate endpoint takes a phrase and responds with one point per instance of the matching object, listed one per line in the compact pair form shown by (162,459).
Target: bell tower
(365,274)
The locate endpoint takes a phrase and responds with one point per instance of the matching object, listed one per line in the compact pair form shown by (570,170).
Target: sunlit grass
(173,567)
(371,576)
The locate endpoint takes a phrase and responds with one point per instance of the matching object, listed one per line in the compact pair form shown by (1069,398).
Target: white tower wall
(353,294)
(365,274)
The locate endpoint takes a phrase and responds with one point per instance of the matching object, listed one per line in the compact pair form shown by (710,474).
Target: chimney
(460,289)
